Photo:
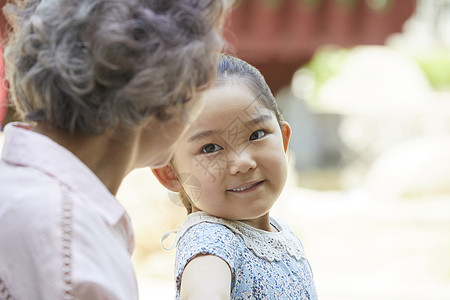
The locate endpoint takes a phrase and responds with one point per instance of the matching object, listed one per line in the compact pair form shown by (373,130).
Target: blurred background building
(365,85)
(278,36)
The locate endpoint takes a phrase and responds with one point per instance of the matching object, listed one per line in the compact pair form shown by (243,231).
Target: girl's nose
(241,163)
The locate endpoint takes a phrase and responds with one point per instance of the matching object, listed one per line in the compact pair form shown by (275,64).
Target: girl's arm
(206,277)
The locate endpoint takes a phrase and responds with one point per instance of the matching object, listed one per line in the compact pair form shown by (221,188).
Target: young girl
(230,168)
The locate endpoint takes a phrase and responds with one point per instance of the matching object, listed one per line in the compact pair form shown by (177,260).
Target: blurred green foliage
(436,66)
(435,63)
(326,63)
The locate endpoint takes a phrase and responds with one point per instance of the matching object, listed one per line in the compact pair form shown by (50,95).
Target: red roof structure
(278,36)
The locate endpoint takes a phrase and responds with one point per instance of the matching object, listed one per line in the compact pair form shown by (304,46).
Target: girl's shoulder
(201,235)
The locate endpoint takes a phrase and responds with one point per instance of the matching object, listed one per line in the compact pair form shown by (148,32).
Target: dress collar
(24,147)
(264,244)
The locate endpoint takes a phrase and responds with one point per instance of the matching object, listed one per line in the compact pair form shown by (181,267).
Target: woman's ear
(286,133)
(167,177)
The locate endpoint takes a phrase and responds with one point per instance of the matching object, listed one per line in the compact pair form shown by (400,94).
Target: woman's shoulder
(27,194)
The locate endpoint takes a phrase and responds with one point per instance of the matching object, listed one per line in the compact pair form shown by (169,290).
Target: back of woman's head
(89,65)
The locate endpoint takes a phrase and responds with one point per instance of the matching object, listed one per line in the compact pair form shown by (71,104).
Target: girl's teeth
(243,188)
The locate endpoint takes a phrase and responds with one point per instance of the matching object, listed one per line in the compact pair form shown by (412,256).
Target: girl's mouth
(247,187)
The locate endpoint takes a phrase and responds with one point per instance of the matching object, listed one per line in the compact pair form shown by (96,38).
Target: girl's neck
(262,223)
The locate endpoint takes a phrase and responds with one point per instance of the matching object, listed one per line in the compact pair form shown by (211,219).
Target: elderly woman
(106,86)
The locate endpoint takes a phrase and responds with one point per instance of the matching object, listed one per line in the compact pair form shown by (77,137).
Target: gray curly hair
(88,65)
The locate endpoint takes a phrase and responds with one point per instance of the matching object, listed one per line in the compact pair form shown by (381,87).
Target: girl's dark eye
(211,148)
(257,134)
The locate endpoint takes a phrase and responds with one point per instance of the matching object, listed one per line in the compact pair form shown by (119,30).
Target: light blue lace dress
(264,265)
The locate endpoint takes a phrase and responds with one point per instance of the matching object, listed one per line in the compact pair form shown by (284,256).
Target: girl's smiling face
(235,152)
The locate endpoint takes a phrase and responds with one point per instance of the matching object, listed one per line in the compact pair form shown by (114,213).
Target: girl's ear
(167,177)
(286,133)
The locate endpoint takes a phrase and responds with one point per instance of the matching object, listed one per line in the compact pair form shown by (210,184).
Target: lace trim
(4,293)
(66,224)
(267,245)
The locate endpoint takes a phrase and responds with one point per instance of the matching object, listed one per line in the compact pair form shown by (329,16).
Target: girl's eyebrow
(202,134)
(259,119)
